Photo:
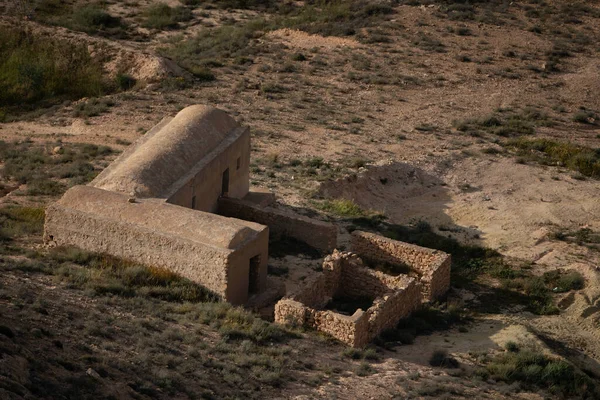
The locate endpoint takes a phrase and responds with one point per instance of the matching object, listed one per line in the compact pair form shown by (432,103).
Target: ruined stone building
(390,297)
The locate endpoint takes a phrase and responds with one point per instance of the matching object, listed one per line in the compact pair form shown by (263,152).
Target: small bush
(125,81)
(35,69)
(585,117)
(511,346)
(91,19)
(161,16)
(537,369)
(365,369)
(571,281)
(342,208)
(440,358)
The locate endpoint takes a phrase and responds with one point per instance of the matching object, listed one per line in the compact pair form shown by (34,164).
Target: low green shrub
(582,159)
(542,371)
(35,69)
(162,16)
(440,358)
(342,208)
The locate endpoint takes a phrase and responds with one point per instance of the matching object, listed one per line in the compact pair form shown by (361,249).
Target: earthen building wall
(318,234)
(202,264)
(201,188)
(155,233)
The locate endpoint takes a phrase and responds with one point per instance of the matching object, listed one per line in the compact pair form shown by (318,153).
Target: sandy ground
(440,176)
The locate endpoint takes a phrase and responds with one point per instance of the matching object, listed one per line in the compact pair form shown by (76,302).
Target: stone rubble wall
(359,281)
(352,330)
(433,266)
(318,290)
(391,308)
(318,234)
(395,298)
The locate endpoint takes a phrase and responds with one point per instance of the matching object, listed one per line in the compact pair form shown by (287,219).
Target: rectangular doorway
(225,183)
(253,278)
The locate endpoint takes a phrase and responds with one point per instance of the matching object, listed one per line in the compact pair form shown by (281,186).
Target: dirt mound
(303,40)
(117,57)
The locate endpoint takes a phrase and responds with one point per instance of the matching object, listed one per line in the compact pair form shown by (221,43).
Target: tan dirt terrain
(376,117)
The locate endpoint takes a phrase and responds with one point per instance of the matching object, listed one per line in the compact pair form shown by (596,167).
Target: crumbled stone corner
(345,274)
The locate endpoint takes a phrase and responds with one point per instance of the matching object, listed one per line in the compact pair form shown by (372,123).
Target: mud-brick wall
(432,265)
(205,265)
(318,234)
(388,310)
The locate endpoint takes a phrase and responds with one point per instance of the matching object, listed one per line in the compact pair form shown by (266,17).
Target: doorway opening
(253,275)
(225,183)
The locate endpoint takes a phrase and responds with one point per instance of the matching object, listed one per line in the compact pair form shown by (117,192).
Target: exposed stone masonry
(344,274)
(433,266)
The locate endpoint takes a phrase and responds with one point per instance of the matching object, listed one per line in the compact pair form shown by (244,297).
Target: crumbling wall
(392,307)
(433,266)
(395,298)
(353,330)
(318,234)
(358,281)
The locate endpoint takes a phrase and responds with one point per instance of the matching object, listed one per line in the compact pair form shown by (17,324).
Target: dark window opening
(253,275)
(225,183)
(238,163)
(194,202)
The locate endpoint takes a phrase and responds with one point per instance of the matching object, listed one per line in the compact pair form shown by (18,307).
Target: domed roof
(154,164)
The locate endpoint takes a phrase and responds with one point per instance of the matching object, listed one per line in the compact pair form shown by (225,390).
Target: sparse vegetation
(161,16)
(36,69)
(548,152)
(534,368)
(583,237)
(19,221)
(505,123)
(48,169)
(441,358)
(342,208)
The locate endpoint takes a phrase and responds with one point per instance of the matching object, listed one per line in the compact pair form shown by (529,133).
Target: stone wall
(432,266)
(318,234)
(391,308)
(344,274)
